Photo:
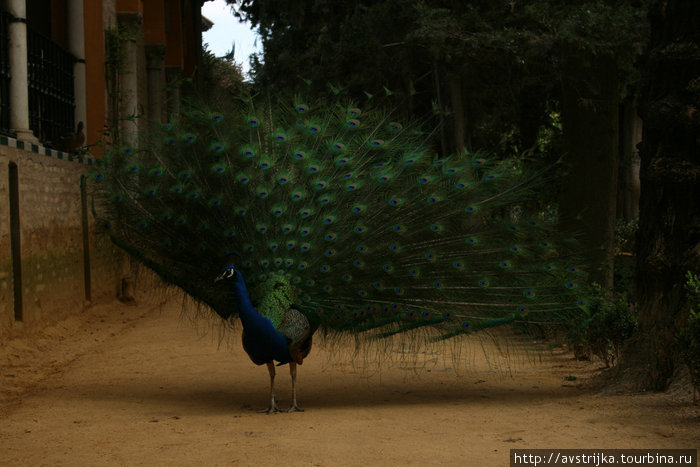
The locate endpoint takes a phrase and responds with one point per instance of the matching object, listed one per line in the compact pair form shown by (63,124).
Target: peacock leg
(293,371)
(273,405)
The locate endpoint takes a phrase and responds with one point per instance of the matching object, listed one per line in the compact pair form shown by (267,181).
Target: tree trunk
(628,180)
(459,122)
(589,114)
(532,112)
(669,221)
(441,110)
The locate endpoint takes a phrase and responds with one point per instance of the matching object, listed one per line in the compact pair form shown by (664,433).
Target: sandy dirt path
(140,385)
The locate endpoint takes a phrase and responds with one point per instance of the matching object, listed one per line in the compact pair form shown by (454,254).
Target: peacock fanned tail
(367,228)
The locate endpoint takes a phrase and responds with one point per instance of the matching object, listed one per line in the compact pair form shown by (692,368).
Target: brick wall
(51,236)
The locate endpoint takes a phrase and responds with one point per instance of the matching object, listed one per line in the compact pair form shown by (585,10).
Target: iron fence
(51,96)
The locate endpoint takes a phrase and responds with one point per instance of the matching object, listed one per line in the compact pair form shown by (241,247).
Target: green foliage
(116,39)
(597,27)
(326,42)
(221,78)
(489,69)
(625,235)
(606,322)
(115,50)
(689,340)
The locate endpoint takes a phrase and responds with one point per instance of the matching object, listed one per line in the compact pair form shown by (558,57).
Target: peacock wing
(298,330)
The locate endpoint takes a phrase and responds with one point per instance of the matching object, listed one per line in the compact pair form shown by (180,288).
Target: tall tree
(594,44)
(493,71)
(668,243)
(589,113)
(349,44)
(457,58)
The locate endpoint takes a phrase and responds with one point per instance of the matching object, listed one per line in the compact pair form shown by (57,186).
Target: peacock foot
(294,408)
(272,409)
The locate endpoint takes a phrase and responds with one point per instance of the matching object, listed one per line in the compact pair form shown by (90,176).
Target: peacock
(300,218)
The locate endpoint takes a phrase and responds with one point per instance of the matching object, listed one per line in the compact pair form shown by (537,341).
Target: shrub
(605,323)
(689,339)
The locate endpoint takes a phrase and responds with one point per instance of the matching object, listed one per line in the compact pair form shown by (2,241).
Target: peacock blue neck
(251,319)
(266,342)
(249,316)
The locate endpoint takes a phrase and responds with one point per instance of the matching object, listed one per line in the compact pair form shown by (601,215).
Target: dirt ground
(141,385)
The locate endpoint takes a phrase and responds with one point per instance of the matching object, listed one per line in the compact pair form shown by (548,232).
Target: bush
(689,339)
(626,235)
(603,326)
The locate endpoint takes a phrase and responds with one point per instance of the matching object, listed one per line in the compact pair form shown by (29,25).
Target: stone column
(76,46)
(131,22)
(155,68)
(173,75)
(19,84)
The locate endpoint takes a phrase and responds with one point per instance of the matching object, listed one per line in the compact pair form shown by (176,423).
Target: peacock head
(228,273)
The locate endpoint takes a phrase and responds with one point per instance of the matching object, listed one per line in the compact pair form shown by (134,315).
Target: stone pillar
(155,68)
(173,75)
(76,46)
(130,22)
(19,84)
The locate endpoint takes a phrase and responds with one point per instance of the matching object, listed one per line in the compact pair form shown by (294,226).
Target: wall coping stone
(86,159)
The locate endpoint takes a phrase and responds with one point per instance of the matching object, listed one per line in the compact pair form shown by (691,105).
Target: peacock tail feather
(365,227)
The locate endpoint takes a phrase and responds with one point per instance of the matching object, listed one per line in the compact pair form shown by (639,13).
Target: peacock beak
(220,277)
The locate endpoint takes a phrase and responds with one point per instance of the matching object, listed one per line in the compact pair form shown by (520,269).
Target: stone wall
(53,260)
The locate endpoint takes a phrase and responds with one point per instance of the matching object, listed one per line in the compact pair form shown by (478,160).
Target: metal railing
(51,96)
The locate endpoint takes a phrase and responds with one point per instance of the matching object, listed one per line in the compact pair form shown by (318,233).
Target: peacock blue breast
(265,344)
(261,339)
